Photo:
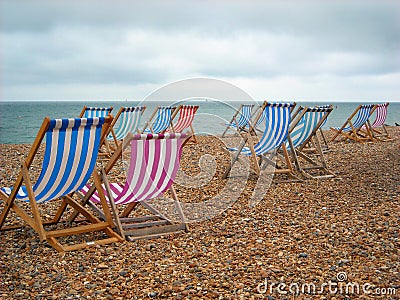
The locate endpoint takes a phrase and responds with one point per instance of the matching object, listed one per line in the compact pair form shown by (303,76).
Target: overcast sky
(110,50)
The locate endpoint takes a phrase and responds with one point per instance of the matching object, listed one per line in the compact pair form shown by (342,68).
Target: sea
(21,120)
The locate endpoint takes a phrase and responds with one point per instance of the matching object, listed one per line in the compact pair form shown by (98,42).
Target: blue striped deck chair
(302,132)
(162,121)
(69,161)
(92,112)
(238,124)
(351,130)
(97,112)
(325,146)
(277,118)
(126,120)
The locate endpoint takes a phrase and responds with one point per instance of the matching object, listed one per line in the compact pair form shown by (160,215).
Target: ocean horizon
(21,120)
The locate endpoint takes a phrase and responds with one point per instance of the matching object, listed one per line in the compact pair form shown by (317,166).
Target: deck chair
(380,118)
(161,122)
(324,145)
(303,132)
(97,112)
(185,120)
(277,118)
(126,120)
(240,119)
(91,112)
(154,163)
(352,130)
(68,163)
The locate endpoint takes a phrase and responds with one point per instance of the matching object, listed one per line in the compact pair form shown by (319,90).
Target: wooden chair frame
(134,228)
(315,161)
(355,133)
(35,221)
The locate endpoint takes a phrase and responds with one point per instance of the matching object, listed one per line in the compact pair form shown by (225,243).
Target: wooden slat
(78,230)
(142,232)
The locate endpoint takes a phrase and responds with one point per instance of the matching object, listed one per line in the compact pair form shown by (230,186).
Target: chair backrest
(277,121)
(324,106)
(186,117)
(70,156)
(128,121)
(381,112)
(163,120)
(153,165)
(244,115)
(93,112)
(363,114)
(307,123)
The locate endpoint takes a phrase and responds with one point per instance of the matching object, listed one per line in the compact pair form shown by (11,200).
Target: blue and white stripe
(362,117)
(163,120)
(306,126)
(96,112)
(70,155)
(277,120)
(244,116)
(128,121)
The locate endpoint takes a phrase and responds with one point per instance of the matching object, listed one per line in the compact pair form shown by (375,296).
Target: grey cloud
(136,42)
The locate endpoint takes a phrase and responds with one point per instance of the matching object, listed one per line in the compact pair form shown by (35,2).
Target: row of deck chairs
(289,138)
(128,119)
(88,202)
(359,128)
(70,175)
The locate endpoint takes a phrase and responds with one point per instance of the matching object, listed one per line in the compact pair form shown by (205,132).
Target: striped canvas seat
(362,117)
(67,165)
(186,117)
(162,121)
(185,120)
(92,112)
(69,161)
(381,112)
(379,122)
(277,118)
(153,166)
(308,124)
(127,120)
(302,133)
(240,119)
(351,129)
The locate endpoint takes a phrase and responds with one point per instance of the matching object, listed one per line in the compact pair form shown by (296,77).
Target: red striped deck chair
(380,118)
(154,163)
(185,120)
(69,161)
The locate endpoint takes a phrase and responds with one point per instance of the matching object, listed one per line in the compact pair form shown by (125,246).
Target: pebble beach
(325,233)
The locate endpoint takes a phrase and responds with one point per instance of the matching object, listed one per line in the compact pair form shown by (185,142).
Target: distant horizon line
(205,99)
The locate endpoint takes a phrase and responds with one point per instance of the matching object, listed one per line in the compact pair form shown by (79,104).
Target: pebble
(228,255)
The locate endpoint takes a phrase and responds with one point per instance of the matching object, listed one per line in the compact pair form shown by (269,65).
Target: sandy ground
(340,233)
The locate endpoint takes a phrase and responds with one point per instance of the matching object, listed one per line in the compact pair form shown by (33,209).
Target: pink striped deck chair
(154,163)
(380,118)
(185,120)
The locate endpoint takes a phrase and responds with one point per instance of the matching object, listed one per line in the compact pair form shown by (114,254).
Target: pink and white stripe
(381,112)
(153,166)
